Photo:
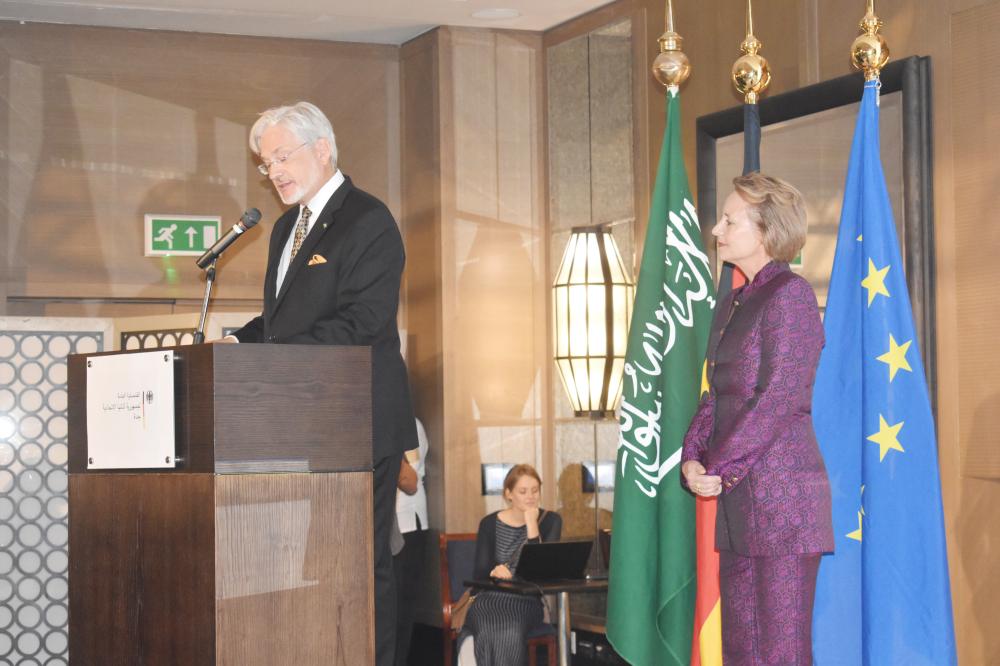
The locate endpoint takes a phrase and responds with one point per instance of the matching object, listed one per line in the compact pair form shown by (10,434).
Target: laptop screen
(555,560)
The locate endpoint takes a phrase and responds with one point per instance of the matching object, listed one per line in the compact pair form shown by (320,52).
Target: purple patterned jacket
(754,428)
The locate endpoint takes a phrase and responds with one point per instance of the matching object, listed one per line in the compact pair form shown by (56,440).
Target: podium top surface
(244,408)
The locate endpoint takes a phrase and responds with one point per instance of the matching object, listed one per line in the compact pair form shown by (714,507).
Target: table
(561,588)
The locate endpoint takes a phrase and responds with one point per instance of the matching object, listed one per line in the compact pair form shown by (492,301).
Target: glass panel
(591,182)
(569,385)
(614,260)
(596,382)
(616,386)
(580,377)
(560,323)
(597,330)
(595,273)
(622,300)
(562,275)
(578,320)
(578,269)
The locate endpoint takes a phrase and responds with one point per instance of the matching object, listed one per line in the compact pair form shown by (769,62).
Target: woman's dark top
(549,529)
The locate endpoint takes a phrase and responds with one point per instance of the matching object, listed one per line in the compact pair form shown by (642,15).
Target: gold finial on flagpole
(869,52)
(671,67)
(751,74)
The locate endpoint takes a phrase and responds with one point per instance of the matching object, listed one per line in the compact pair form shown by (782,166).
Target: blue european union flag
(883,597)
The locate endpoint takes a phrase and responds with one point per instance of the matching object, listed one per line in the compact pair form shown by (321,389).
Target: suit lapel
(319,228)
(282,229)
(729,304)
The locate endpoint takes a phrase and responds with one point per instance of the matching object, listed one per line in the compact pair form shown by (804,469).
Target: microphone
(249,219)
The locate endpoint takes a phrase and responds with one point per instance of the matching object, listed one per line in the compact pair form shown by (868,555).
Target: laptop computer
(553,561)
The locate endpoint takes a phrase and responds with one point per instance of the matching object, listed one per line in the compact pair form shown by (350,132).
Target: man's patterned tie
(300,231)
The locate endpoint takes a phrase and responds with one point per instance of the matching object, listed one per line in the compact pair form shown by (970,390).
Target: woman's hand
(502,572)
(700,483)
(531,516)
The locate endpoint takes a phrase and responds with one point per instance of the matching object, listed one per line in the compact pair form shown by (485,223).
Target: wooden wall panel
(493,261)
(976,108)
(569,146)
(421,206)
(104,125)
(975,366)
(591,178)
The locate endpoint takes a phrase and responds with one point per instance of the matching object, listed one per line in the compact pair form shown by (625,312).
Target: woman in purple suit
(751,441)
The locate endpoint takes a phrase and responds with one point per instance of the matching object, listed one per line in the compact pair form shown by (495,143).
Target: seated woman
(499,622)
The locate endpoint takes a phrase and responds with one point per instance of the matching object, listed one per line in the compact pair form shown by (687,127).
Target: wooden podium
(257,547)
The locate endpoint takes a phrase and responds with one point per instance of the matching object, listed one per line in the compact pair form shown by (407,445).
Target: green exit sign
(180,234)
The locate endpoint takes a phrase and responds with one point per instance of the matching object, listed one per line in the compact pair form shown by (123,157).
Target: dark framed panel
(911,78)
(599,477)
(493,475)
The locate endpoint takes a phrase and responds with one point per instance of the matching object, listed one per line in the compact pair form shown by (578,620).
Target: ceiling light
(496,14)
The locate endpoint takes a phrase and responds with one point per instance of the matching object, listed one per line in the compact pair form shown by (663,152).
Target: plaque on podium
(130,411)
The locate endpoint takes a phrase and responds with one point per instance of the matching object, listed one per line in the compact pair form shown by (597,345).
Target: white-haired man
(333,272)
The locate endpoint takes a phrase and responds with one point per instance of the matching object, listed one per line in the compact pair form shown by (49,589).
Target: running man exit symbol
(180,234)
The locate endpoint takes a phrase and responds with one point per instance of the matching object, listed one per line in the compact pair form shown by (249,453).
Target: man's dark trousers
(384,483)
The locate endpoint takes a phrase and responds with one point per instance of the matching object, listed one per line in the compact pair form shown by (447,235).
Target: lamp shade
(592,305)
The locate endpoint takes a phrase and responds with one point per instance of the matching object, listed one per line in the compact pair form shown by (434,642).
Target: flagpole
(751,74)
(651,593)
(885,590)
(671,67)
(869,52)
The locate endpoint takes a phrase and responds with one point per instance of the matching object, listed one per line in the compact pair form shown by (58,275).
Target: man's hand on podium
(228,340)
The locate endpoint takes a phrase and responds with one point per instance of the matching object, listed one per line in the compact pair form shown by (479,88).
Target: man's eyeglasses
(265,167)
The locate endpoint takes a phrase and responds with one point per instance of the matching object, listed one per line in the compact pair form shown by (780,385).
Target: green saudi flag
(652,587)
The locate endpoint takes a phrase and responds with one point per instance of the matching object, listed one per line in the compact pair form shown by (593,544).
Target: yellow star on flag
(875,282)
(895,358)
(856,534)
(886,437)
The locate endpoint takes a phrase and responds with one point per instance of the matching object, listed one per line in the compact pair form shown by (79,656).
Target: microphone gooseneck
(250,218)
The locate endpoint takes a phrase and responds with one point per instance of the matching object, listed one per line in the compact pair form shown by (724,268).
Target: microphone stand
(199,335)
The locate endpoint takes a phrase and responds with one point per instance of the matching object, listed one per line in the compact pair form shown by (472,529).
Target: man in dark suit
(333,272)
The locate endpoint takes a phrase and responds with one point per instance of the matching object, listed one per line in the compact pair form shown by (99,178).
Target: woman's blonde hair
(515,474)
(779,213)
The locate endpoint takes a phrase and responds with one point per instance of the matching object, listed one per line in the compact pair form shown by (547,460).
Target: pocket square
(316,259)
